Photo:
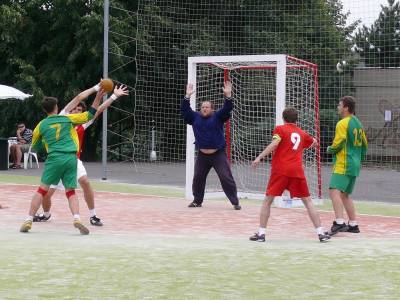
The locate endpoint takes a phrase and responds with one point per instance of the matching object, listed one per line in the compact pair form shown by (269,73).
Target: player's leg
(221,165)
(349,206)
(46,204)
(201,169)
(51,175)
(69,180)
(89,198)
(276,185)
(265,212)
(88,194)
(298,188)
(337,185)
(35,205)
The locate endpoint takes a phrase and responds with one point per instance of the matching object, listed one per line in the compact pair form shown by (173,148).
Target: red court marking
(125,213)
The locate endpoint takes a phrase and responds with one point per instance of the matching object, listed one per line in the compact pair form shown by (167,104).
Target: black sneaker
(338,228)
(323,238)
(257,238)
(40,218)
(353,229)
(194,204)
(237,207)
(95,221)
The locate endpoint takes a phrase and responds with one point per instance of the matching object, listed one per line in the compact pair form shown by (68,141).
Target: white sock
(353,223)
(320,230)
(339,221)
(46,214)
(77,217)
(29,218)
(92,212)
(261,231)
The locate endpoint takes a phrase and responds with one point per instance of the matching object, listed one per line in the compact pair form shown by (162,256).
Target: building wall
(378,107)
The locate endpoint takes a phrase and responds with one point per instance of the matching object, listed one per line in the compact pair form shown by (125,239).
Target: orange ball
(107,85)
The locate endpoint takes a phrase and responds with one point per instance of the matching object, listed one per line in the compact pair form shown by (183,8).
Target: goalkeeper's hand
(189,91)
(227,89)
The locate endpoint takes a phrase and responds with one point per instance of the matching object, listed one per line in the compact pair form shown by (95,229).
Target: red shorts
(278,183)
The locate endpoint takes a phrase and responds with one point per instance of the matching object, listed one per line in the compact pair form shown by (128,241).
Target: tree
(379,45)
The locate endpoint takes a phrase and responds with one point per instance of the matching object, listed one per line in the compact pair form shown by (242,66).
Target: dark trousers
(202,167)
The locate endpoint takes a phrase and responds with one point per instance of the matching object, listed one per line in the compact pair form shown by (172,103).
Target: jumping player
(57,136)
(78,107)
(288,143)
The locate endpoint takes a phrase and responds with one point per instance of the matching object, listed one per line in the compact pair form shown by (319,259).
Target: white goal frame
(280,63)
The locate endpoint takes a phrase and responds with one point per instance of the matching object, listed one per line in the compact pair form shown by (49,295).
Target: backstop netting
(352,60)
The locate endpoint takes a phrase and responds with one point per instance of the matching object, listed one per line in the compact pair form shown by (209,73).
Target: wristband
(97,87)
(113,97)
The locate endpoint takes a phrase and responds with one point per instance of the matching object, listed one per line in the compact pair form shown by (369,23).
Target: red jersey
(287,159)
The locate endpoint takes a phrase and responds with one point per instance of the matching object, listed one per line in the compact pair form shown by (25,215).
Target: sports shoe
(40,218)
(257,238)
(82,228)
(26,226)
(95,221)
(353,229)
(237,207)
(338,228)
(194,204)
(324,237)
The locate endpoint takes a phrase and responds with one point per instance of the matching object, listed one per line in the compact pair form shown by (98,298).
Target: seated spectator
(24,139)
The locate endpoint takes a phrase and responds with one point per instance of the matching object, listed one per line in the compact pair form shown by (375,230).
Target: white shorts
(81,171)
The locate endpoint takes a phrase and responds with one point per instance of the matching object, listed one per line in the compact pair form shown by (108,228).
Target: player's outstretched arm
(187,112)
(267,151)
(80,97)
(118,92)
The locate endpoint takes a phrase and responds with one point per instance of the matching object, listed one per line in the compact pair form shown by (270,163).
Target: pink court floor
(127,213)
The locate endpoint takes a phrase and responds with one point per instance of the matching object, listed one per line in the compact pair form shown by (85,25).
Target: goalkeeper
(208,130)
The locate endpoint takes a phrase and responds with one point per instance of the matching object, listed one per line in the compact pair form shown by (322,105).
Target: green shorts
(343,183)
(60,166)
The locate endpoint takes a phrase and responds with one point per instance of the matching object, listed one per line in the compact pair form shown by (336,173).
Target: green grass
(58,265)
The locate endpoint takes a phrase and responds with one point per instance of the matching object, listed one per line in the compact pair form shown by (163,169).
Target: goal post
(262,86)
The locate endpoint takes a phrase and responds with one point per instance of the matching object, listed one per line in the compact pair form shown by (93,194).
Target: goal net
(263,85)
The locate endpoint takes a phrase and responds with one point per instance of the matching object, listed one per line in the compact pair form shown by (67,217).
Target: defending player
(57,135)
(77,107)
(349,147)
(288,143)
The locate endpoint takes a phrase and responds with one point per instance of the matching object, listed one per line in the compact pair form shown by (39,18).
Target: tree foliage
(379,44)
(55,47)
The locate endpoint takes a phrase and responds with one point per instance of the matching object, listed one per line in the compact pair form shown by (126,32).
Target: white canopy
(8,92)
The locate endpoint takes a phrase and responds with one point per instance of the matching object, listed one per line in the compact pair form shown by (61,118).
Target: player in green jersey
(57,135)
(349,148)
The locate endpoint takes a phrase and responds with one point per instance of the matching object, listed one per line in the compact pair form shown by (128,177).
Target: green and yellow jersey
(349,146)
(57,133)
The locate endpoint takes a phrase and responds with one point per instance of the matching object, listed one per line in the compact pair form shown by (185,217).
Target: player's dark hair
(349,102)
(49,104)
(290,115)
(83,106)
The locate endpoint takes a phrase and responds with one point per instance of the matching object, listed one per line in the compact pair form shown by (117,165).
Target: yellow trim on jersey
(276,137)
(339,145)
(80,118)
